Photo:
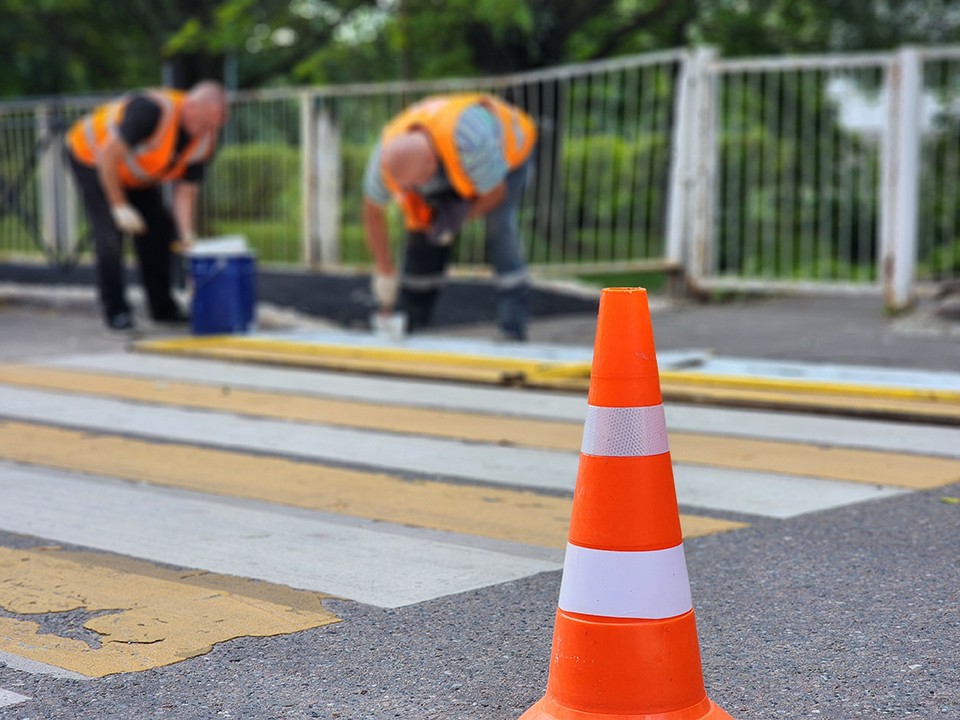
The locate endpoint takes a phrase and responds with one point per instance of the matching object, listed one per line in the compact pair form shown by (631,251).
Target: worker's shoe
(121,325)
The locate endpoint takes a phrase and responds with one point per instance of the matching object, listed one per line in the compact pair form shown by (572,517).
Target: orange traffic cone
(625,639)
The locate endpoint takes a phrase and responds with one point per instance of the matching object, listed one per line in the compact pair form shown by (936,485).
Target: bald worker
(121,154)
(447,160)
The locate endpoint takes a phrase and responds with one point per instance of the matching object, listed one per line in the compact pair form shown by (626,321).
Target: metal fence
(814,172)
(38,210)
(793,165)
(602,173)
(938,250)
(825,172)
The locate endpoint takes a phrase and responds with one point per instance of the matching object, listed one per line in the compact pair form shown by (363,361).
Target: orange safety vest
(152,161)
(437,117)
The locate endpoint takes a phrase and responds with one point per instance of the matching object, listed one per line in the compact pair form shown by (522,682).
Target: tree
(69,46)
(61,46)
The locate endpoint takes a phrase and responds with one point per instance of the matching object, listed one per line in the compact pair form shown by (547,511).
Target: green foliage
(614,193)
(15,238)
(59,46)
(939,233)
(943,260)
(353,160)
(254,182)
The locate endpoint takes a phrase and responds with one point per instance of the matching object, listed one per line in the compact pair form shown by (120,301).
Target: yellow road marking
(513,515)
(865,466)
(871,467)
(287,406)
(145,616)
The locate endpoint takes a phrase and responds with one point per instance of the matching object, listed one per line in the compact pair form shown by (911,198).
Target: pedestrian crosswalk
(388,492)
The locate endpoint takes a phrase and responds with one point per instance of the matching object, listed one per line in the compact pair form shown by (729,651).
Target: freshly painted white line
(434,344)
(35,667)
(769,494)
(794,427)
(830,372)
(255,541)
(423,456)
(8,697)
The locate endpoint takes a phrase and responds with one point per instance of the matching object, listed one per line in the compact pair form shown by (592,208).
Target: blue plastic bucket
(224,293)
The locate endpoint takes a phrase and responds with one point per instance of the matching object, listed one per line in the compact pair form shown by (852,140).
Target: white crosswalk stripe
(356,561)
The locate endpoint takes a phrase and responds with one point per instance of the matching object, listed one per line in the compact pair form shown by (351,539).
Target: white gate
(807,172)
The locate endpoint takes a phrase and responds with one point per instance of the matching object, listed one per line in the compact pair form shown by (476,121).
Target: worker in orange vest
(121,154)
(447,160)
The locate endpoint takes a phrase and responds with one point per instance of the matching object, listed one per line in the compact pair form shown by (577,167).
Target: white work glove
(385,289)
(128,219)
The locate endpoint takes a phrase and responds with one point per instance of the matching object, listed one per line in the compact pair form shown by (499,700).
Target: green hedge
(254,182)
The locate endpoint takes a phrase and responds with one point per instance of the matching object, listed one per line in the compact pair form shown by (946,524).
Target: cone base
(545,709)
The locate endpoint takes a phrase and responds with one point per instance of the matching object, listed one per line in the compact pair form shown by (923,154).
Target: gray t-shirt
(479,146)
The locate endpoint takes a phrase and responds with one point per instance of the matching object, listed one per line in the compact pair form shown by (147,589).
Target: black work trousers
(152,248)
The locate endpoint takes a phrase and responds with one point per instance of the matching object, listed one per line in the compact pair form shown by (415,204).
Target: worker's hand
(385,289)
(128,219)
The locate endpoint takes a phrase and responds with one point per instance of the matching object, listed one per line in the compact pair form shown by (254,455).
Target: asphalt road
(843,612)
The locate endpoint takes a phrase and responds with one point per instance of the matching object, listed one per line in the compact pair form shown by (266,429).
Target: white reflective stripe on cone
(625,432)
(644,585)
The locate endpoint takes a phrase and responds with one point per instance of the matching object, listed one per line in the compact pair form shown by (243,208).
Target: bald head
(409,159)
(205,108)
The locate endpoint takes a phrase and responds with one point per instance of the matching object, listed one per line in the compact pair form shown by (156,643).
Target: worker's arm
(108,160)
(125,216)
(185,195)
(384,280)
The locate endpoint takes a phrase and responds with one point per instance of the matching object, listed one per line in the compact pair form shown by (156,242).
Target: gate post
(321,182)
(57,229)
(901,181)
(700,161)
(329,184)
(681,166)
(310,238)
